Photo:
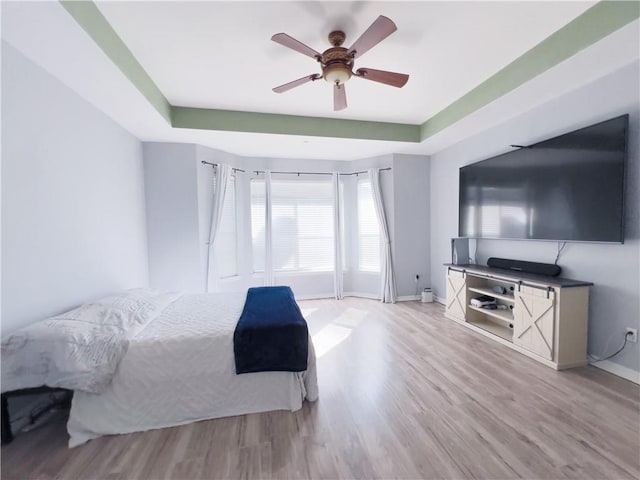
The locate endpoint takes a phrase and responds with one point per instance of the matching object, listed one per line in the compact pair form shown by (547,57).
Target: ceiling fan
(337,61)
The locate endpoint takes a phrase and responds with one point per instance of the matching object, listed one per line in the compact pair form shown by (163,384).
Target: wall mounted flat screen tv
(567,188)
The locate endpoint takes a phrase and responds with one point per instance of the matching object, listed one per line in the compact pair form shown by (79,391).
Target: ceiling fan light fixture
(337,73)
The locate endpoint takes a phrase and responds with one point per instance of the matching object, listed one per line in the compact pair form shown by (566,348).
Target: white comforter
(181,369)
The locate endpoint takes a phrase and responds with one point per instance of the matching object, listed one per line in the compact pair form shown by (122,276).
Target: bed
(178,367)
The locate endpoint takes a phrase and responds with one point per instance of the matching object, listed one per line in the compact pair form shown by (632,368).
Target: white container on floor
(427,295)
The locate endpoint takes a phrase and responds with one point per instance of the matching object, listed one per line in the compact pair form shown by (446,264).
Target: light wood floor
(404,393)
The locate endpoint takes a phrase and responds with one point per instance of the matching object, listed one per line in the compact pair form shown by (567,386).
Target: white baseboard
(418,298)
(320,296)
(408,298)
(619,370)
(317,296)
(404,298)
(362,295)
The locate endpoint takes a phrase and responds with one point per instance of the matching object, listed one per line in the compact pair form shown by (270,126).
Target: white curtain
(222,173)
(388,282)
(337,244)
(268,257)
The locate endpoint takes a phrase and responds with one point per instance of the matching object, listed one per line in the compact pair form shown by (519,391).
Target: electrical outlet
(631,334)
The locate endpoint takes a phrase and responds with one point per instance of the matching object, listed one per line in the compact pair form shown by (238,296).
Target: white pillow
(79,349)
(140,306)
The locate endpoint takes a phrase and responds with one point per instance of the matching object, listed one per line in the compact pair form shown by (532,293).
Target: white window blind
(368,229)
(302,224)
(226,245)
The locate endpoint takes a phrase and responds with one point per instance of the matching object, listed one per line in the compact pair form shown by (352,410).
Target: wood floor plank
(404,393)
(187,469)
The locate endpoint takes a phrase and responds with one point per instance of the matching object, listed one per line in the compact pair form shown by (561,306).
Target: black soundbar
(548,269)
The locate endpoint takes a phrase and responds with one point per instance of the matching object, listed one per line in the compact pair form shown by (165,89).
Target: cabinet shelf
(495,328)
(503,315)
(491,293)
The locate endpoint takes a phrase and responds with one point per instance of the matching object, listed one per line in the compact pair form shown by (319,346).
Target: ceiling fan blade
(380,29)
(389,78)
(292,43)
(339,97)
(295,83)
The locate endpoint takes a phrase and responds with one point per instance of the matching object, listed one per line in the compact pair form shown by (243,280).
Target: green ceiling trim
(593,25)
(229,120)
(602,19)
(87,14)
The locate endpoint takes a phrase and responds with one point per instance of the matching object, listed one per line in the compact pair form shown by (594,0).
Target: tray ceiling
(197,72)
(219,54)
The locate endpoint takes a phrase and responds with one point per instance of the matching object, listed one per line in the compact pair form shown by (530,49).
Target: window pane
(302,224)
(368,229)
(226,250)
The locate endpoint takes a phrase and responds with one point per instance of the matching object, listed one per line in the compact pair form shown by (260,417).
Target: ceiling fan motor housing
(337,64)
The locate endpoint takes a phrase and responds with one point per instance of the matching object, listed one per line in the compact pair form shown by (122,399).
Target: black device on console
(538,268)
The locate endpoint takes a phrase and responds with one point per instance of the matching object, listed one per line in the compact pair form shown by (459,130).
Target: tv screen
(567,188)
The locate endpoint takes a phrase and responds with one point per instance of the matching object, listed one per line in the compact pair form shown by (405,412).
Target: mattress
(180,369)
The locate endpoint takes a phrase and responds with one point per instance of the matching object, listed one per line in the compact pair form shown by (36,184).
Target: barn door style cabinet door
(533,320)
(456,294)
(542,317)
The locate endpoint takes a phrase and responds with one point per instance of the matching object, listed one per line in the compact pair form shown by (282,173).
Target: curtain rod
(215,165)
(257,172)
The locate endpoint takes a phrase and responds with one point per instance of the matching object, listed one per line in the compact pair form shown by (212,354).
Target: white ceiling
(219,54)
(447,48)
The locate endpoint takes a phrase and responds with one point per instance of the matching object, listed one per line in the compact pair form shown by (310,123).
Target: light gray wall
(73,211)
(411,213)
(615,299)
(171,190)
